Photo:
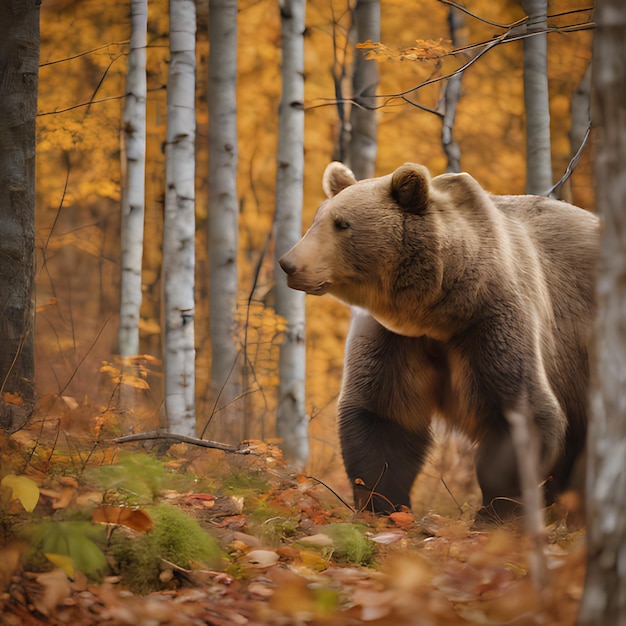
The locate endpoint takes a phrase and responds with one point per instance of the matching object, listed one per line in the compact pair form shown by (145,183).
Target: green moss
(138,478)
(245,483)
(175,537)
(350,545)
(268,523)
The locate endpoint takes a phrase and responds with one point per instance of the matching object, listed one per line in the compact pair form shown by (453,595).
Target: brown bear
(467,306)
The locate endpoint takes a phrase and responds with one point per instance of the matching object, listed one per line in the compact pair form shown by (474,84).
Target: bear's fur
(467,306)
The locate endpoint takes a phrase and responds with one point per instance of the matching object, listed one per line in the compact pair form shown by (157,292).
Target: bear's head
(370,241)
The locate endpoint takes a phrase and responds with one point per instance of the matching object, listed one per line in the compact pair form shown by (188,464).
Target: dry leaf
(388,537)
(261,559)
(55,588)
(403,519)
(66,563)
(23,489)
(136,519)
(320,539)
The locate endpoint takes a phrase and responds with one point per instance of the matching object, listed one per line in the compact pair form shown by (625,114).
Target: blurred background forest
(81,98)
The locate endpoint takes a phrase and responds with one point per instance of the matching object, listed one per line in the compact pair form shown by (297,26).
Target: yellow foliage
(424,50)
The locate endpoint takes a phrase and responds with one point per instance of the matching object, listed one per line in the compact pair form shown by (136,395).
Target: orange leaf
(136,519)
(403,520)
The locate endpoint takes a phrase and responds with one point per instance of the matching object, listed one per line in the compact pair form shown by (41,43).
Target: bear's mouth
(313,289)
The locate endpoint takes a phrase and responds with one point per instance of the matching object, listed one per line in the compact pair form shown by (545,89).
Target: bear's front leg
(382,459)
(387,400)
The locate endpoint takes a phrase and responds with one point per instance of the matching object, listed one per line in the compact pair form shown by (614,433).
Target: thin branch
(85,53)
(483,19)
(519,22)
(86,104)
(93,343)
(321,482)
(571,166)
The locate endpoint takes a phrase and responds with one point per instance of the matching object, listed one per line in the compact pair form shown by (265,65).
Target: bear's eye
(341,224)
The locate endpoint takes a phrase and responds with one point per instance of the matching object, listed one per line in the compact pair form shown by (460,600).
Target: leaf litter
(201,536)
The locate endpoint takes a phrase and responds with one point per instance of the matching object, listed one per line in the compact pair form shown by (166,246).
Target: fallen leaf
(23,489)
(136,519)
(55,587)
(260,559)
(386,538)
(320,540)
(403,519)
(66,563)
(313,560)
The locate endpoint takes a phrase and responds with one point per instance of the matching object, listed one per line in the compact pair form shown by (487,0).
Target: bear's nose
(289,267)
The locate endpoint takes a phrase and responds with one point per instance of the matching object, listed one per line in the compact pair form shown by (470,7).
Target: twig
(571,166)
(321,482)
(526,444)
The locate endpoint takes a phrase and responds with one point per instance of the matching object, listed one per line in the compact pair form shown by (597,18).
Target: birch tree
(536,99)
(604,598)
(223,206)
(291,418)
(133,199)
(363,138)
(179,221)
(19,67)
(451,96)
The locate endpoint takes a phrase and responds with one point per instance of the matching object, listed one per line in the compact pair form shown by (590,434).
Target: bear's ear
(410,187)
(336,178)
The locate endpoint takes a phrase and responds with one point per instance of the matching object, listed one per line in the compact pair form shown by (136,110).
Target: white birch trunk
(363,138)
(133,199)
(604,598)
(179,222)
(536,99)
(223,214)
(291,418)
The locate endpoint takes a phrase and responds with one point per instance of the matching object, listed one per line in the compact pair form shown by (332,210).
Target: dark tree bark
(604,599)
(19,69)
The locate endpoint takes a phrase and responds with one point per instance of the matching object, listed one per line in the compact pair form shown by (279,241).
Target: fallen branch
(194,441)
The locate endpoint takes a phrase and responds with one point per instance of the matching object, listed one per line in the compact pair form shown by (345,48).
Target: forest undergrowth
(95,532)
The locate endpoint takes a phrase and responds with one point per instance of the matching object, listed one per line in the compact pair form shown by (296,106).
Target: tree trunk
(19,67)
(179,222)
(604,598)
(133,199)
(363,139)
(291,418)
(536,100)
(223,212)
(451,97)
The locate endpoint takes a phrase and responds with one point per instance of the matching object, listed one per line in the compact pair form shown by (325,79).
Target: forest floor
(98,533)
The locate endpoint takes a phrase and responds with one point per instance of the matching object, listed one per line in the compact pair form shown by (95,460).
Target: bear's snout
(289,267)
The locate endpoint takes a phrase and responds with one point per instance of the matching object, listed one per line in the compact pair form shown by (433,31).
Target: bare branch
(507,37)
(85,53)
(571,166)
(455,5)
